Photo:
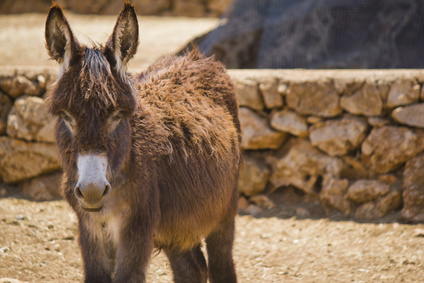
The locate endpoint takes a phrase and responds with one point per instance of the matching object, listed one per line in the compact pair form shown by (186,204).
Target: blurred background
(316,34)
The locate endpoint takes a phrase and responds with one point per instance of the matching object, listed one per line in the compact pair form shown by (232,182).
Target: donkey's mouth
(92,209)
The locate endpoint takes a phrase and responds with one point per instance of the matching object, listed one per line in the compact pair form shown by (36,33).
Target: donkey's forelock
(95,64)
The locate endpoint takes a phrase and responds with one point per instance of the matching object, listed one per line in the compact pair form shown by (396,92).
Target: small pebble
(419,232)
(253,210)
(302,212)
(20,217)
(4,249)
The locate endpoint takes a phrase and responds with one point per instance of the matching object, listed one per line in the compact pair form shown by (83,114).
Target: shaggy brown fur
(171,136)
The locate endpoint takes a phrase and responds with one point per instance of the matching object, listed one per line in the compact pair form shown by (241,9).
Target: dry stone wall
(352,139)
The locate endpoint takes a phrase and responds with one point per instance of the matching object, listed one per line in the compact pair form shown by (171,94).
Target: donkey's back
(191,103)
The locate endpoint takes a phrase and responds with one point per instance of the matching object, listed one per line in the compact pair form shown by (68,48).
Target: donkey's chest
(105,227)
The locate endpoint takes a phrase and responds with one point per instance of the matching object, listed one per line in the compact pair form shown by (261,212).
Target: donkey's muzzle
(92,186)
(91,196)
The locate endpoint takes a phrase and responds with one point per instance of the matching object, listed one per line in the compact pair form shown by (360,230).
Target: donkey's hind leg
(188,266)
(219,245)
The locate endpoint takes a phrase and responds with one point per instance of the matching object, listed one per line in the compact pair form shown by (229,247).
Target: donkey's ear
(122,44)
(60,42)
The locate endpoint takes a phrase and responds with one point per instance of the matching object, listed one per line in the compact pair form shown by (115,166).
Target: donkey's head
(93,100)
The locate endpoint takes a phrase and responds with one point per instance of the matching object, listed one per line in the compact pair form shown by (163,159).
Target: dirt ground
(38,243)
(293,242)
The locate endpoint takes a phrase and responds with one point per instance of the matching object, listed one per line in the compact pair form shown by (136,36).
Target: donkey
(151,160)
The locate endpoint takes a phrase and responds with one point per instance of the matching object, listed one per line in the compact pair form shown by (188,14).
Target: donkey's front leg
(133,252)
(97,264)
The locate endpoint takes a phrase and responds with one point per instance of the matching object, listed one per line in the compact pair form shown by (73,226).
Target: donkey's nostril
(78,192)
(106,191)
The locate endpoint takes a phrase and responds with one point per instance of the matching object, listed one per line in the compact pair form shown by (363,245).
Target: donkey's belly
(185,222)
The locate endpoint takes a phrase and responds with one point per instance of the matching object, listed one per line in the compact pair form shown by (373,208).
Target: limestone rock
(290,122)
(314,120)
(20,160)
(5,106)
(381,207)
(248,95)
(354,169)
(262,201)
(411,115)
(338,137)
(29,120)
(332,195)
(314,98)
(365,101)
(386,148)
(367,211)
(299,164)
(389,202)
(254,175)
(366,190)
(403,92)
(378,122)
(256,132)
(46,187)
(270,94)
(21,85)
(413,189)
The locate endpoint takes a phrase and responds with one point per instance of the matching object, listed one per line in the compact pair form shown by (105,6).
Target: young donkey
(150,160)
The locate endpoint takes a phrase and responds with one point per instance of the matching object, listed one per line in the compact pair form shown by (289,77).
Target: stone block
(21,85)
(5,106)
(388,147)
(253,177)
(332,195)
(256,132)
(290,122)
(44,188)
(403,92)
(413,189)
(29,120)
(270,94)
(318,98)
(364,101)
(411,115)
(300,164)
(248,95)
(20,160)
(338,137)
(362,191)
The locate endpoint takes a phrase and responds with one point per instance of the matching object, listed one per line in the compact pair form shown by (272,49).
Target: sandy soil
(38,243)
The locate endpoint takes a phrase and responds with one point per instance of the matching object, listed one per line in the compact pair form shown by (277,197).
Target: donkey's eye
(115,119)
(68,119)
(118,115)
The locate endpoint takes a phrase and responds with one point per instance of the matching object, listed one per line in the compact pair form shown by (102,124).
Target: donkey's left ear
(61,44)
(122,44)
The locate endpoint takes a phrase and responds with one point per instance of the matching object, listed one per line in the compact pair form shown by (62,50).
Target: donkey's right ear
(61,45)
